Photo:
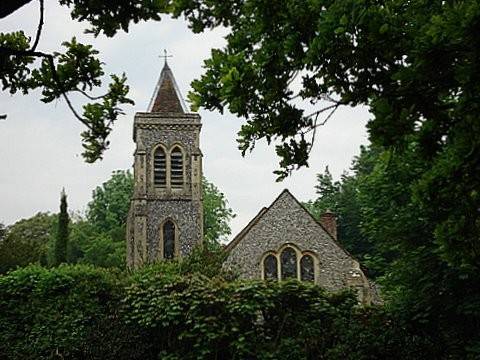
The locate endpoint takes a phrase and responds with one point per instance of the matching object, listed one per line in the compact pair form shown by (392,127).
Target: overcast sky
(40,144)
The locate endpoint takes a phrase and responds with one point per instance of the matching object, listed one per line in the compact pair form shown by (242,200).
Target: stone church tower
(165,220)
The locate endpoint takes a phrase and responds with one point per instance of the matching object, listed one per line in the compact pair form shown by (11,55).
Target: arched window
(176,168)
(168,240)
(159,168)
(270,271)
(288,261)
(307,268)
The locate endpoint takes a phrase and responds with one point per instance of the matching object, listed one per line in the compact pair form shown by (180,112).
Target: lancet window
(270,265)
(168,240)
(288,262)
(307,268)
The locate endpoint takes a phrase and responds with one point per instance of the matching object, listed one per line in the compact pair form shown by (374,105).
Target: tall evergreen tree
(3,231)
(61,241)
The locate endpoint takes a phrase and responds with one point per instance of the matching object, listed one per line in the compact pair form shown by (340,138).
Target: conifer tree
(3,231)
(61,240)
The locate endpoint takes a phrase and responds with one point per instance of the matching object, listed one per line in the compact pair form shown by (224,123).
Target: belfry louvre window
(176,168)
(168,240)
(159,168)
(289,263)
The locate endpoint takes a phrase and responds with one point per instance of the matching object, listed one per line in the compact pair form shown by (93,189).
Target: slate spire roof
(166,97)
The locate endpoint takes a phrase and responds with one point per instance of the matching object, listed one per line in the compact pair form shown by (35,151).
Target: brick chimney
(329,222)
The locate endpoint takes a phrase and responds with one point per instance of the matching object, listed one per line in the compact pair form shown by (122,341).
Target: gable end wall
(286,221)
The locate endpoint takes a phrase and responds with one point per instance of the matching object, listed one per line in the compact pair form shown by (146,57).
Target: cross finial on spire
(165,56)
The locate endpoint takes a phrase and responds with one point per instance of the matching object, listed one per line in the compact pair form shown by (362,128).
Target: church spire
(166,97)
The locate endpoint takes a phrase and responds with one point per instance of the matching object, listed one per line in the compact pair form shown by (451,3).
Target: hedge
(82,312)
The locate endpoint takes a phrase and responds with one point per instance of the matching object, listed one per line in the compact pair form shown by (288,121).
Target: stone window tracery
(289,263)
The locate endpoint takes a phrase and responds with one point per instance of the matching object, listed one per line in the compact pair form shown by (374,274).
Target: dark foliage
(61,239)
(27,241)
(384,222)
(74,312)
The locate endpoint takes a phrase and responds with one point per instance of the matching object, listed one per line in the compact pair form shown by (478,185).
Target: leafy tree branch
(76,70)
(10,6)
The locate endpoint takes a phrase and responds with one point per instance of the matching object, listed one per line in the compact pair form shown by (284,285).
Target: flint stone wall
(150,206)
(286,221)
(150,130)
(184,214)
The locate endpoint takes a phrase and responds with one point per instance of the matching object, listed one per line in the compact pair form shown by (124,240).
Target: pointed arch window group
(168,168)
(289,263)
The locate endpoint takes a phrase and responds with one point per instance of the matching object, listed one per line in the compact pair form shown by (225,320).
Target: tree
(216,213)
(421,285)
(343,198)
(328,191)
(413,64)
(61,239)
(99,239)
(58,75)
(3,231)
(382,223)
(108,209)
(26,241)
(105,252)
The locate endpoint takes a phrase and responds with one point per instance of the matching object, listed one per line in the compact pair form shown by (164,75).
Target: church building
(284,241)
(166,214)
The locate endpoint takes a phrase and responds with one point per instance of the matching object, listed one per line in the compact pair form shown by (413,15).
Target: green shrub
(172,311)
(65,312)
(206,260)
(196,317)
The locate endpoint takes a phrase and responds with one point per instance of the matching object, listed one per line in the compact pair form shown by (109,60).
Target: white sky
(40,144)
